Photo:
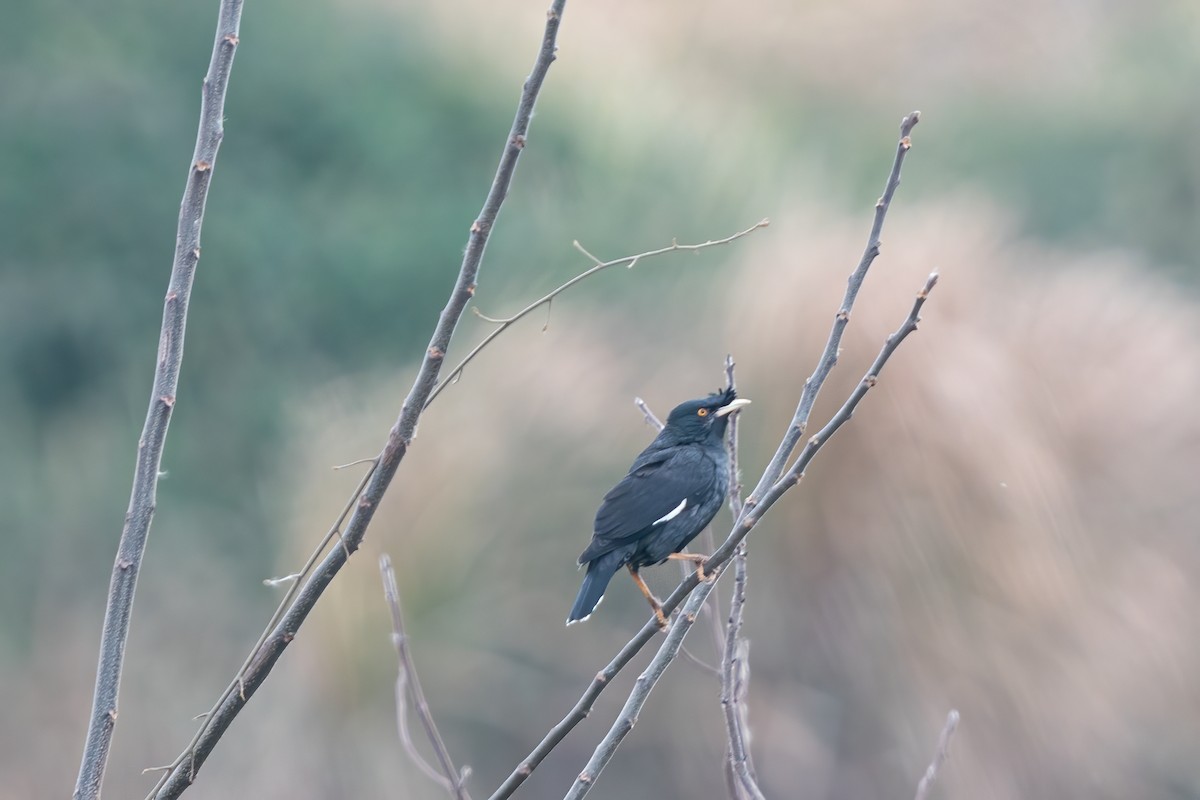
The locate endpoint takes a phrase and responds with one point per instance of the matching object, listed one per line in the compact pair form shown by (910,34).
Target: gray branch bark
(637,698)
(695,600)
(735,680)
(259,665)
(825,365)
(142,501)
(735,666)
(939,757)
(770,486)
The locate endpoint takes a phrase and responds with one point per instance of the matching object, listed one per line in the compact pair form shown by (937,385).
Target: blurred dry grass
(1007,527)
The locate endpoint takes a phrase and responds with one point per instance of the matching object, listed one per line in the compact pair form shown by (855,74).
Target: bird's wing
(660,486)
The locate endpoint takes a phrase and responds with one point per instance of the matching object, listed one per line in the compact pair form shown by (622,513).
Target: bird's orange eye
(702,412)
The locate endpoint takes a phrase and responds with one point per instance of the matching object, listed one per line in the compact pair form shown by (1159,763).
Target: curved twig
(770,487)
(272,644)
(407,681)
(504,323)
(143,498)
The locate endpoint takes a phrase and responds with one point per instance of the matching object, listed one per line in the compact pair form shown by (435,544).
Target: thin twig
(237,685)
(735,664)
(731,446)
(651,420)
(354,463)
(407,681)
(818,440)
(939,757)
(701,663)
(735,507)
(583,250)
(812,386)
(735,684)
(143,497)
(505,323)
(637,698)
(764,497)
(715,566)
(301,599)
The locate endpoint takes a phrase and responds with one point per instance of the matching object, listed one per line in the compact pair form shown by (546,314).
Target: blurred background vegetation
(1007,527)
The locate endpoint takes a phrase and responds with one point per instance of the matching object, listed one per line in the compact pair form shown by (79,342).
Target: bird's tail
(599,573)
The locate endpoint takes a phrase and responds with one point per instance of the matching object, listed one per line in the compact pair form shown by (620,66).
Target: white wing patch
(672,515)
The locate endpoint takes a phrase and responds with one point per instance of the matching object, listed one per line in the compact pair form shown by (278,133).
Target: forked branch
(695,600)
(629,261)
(828,359)
(770,487)
(407,683)
(302,596)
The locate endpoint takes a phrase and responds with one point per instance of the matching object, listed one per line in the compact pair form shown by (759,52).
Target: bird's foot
(700,561)
(661,619)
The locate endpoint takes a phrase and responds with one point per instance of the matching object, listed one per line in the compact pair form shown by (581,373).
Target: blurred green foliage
(358,150)
(354,161)
(355,158)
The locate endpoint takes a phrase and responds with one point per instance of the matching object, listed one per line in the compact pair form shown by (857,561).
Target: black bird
(674,489)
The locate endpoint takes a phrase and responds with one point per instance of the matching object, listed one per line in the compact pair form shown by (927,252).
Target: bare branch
(939,757)
(844,413)
(143,498)
(637,698)
(407,681)
(731,446)
(715,567)
(770,487)
(735,684)
(735,665)
(504,323)
(238,684)
(300,600)
(751,516)
(579,712)
(812,386)
(588,255)
(651,420)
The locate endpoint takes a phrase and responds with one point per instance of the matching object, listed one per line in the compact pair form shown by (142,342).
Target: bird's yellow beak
(736,405)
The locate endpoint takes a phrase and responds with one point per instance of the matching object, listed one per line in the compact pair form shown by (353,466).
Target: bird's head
(697,420)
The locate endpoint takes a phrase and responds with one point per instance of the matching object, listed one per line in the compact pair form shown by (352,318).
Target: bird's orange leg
(694,558)
(650,598)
